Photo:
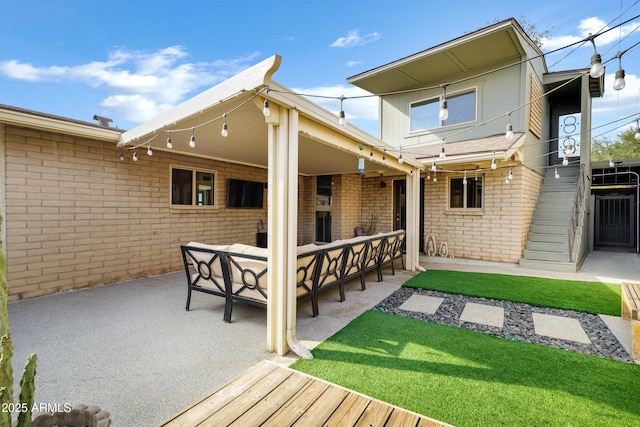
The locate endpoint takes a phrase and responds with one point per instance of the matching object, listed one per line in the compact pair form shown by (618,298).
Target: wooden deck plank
(376,414)
(323,407)
(238,406)
(291,412)
(274,401)
(214,402)
(272,395)
(349,411)
(401,418)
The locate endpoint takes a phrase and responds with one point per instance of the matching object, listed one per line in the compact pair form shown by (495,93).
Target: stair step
(567,267)
(548,238)
(551,221)
(552,214)
(547,246)
(546,256)
(549,229)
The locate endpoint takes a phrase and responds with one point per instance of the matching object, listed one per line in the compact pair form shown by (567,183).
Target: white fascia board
(250,79)
(57,125)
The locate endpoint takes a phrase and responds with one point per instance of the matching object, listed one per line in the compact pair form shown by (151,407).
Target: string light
(400,159)
(611,164)
(493,162)
(433,166)
(135,155)
(464,180)
(444,111)
(597,69)
(442,153)
(149,151)
(435,177)
(510,176)
(342,120)
(565,160)
(192,141)
(637,135)
(509,133)
(556,173)
(266,111)
(121,155)
(225,129)
(169,143)
(428,175)
(384,155)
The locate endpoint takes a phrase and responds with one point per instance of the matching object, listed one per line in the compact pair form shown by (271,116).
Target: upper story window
(192,187)
(465,195)
(461,106)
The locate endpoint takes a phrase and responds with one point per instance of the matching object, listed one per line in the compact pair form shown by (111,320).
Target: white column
(412,253)
(282,230)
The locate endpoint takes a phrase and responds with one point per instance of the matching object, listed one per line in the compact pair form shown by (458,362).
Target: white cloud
(353,63)
(353,38)
(587,27)
(360,107)
(617,108)
(140,84)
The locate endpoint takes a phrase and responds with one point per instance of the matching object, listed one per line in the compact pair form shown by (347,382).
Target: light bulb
(121,155)
(266,111)
(428,176)
(570,150)
(442,153)
(433,166)
(611,164)
(510,176)
(225,130)
(444,111)
(619,84)
(400,159)
(556,173)
(597,69)
(637,135)
(192,141)
(493,164)
(464,180)
(506,180)
(169,143)
(435,178)
(342,121)
(565,160)
(509,132)
(149,152)
(135,156)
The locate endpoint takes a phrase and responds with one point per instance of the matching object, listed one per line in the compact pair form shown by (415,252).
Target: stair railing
(578,198)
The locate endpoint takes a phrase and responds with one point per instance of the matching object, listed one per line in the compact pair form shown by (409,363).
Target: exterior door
(615,220)
(400,208)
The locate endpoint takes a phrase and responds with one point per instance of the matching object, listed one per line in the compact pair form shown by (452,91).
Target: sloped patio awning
(297,137)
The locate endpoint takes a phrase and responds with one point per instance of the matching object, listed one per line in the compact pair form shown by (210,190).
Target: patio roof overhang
(472,150)
(325,147)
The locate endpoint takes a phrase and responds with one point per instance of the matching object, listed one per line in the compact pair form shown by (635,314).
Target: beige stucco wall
(78,216)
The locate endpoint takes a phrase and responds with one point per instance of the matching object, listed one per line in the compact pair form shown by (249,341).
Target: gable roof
(487,48)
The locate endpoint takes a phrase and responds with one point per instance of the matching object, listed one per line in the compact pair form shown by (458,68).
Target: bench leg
(188,299)
(341,288)
(635,340)
(314,304)
(228,306)
(363,286)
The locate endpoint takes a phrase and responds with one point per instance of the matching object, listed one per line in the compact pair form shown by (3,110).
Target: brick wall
(77,216)
(499,231)
(377,200)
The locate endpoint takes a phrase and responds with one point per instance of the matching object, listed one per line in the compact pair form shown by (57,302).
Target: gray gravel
(518,322)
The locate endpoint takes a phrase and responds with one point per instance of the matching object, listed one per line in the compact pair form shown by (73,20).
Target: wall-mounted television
(244,194)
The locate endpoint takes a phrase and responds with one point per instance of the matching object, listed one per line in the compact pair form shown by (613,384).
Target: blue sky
(130,60)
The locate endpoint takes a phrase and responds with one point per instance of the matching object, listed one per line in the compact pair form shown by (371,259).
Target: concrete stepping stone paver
(422,304)
(483,314)
(559,327)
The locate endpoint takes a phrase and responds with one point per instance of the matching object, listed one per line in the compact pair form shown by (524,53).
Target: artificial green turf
(589,297)
(468,378)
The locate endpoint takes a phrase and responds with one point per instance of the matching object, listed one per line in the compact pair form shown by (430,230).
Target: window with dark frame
(461,106)
(465,196)
(192,187)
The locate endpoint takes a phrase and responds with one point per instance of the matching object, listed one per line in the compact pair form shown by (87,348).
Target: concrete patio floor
(132,349)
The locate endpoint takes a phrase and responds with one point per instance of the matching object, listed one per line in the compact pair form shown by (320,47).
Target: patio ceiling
(324,146)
